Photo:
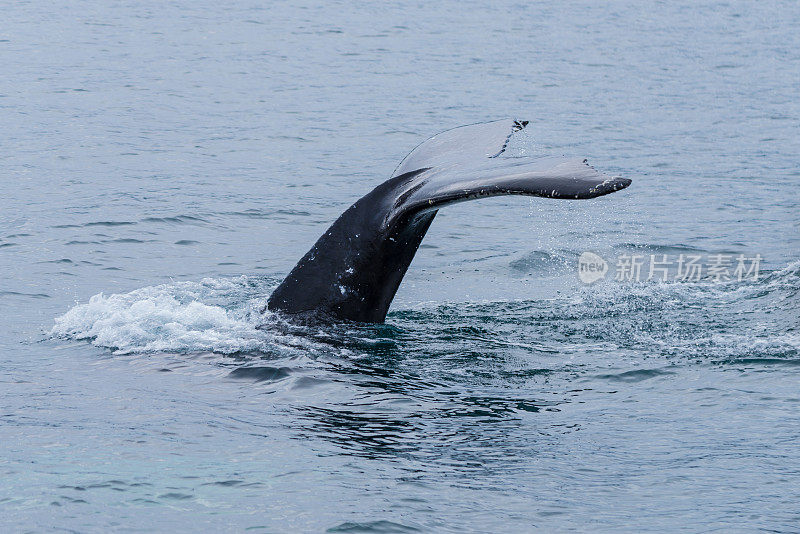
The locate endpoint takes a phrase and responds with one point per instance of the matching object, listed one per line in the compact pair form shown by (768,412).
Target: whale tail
(353,271)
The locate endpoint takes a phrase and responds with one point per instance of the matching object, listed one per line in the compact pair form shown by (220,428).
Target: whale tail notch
(354,269)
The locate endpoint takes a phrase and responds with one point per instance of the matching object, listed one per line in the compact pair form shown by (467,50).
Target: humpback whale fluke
(353,271)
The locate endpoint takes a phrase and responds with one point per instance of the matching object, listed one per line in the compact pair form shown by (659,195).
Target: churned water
(163,165)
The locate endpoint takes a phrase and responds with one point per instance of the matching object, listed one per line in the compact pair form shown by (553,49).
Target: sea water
(164,165)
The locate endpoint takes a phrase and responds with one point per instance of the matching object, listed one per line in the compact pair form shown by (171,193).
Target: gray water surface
(163,165)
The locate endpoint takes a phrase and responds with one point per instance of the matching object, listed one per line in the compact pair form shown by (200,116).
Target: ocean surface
(164,164)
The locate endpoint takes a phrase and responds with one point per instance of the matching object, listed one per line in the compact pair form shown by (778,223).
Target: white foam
(212,315)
